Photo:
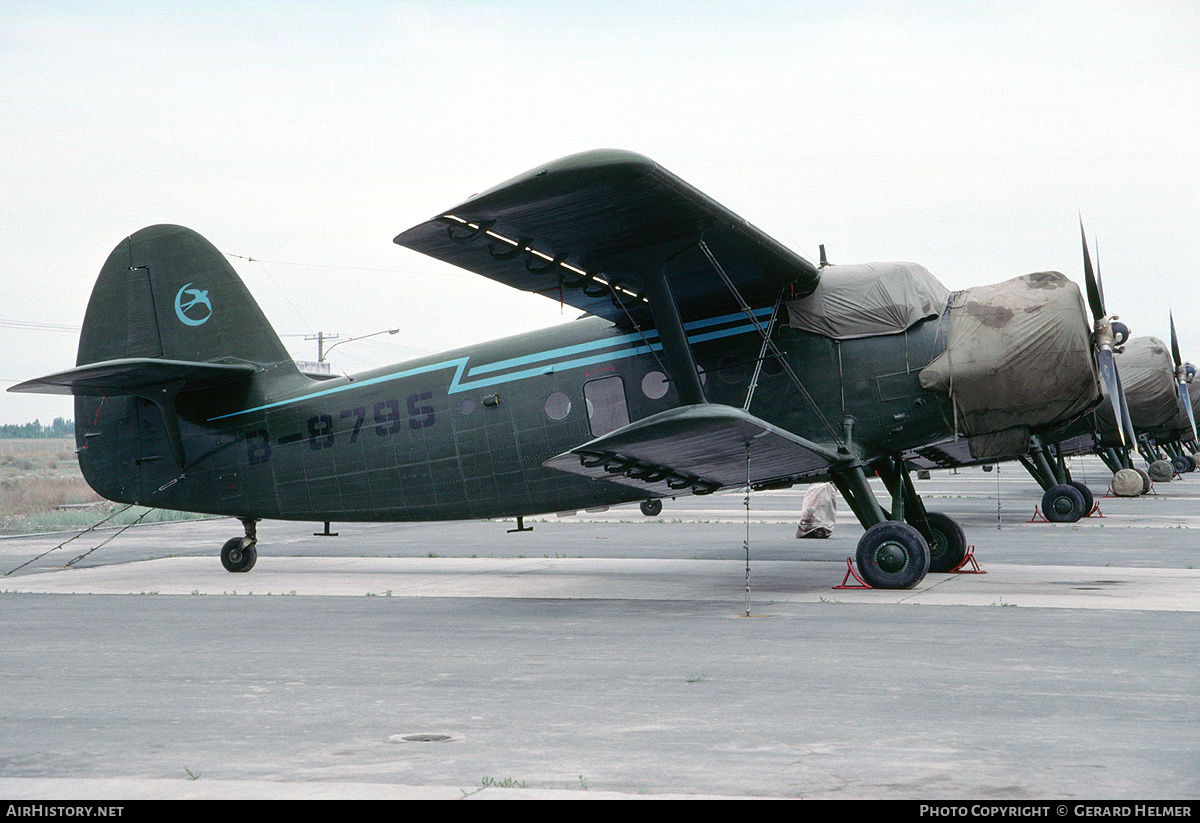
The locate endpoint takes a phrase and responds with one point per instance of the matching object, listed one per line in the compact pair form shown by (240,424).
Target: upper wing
(586,228)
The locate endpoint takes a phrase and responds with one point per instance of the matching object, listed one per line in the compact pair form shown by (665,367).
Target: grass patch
(40,476)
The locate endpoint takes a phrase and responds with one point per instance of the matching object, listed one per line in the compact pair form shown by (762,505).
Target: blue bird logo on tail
(197,298)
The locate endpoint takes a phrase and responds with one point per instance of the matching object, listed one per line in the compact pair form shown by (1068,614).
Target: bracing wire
(92,527)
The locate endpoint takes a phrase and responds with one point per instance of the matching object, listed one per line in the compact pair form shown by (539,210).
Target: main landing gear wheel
(948,548)
(236,557)
(1089,499)
(1180,464)
(651,508)
(892,555)
(1063,504)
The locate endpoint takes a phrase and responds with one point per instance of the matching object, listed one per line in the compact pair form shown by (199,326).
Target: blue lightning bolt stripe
(650,336)
(459,364)
(458,384)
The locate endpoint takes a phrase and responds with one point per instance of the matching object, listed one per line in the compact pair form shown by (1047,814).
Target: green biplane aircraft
(710,357)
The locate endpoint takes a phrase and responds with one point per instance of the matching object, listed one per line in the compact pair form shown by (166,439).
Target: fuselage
(465,434)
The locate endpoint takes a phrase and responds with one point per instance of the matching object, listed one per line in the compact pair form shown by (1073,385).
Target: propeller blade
(1095,297)
(1175,344)
(1187,404)
(1181,380)
(1126,420)
(1112,387)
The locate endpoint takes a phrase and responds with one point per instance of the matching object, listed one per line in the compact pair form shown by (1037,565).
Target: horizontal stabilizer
(135,376)
(698,448)
(588,229)
(150,378)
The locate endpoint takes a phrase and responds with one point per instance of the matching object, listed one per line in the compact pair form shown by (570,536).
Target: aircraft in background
(1156,386)
(710,357)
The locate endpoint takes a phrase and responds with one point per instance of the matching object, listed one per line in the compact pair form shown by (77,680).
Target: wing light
(539,261)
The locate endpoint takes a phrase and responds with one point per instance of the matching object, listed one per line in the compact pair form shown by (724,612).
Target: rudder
(166,292)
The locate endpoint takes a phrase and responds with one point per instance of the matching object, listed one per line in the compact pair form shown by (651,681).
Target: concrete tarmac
(609,655)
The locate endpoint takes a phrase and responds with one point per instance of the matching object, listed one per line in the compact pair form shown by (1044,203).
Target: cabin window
(732,370)
(606,406)
(655,385)
(558,406)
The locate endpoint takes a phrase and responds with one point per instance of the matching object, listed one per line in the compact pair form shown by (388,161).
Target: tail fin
(168,316)
(166,292)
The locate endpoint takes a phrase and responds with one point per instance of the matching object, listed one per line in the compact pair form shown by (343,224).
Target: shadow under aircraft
(709,357)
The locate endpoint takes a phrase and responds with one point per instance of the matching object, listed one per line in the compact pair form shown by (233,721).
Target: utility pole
(321,337)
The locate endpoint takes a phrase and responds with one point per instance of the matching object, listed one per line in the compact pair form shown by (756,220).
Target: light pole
(321,337)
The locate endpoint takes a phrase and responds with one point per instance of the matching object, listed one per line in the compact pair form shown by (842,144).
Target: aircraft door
(151,452)
(606,407)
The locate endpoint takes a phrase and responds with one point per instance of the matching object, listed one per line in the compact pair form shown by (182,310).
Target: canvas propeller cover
(1018,355)
(1195,398)
(868,299)
(1148,376)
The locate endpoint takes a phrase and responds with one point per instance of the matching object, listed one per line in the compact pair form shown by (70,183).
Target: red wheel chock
(970,558)
(1038,517)
(850,572)
(959,569)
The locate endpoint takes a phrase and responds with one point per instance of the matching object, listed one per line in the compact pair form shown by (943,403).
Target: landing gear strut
(901,546)
(239,553)
(1064,500)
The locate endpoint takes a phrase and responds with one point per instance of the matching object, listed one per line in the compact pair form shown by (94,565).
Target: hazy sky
(965,136)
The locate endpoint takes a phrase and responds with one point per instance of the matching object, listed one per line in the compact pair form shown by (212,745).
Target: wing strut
(674,339)
(762,352)
(766,336)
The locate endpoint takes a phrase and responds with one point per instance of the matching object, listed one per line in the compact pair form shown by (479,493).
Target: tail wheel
(236,557)
(893,555)
(651,508)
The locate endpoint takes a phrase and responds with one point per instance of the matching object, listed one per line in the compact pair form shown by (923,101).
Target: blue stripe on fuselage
(457,384)
(603,344)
